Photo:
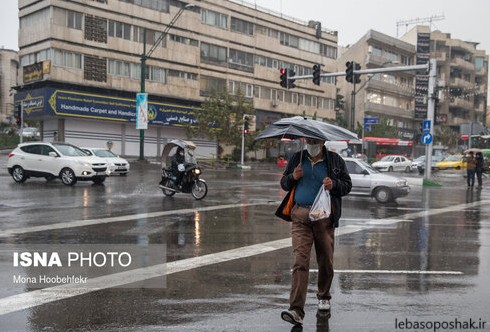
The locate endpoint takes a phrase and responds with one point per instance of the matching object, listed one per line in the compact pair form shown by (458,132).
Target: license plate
(100,173)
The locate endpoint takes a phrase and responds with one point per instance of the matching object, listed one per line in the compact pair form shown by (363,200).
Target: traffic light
(357,77)
(284,78)
(18,115)
(349,71)
(316,74)
(246,125)
(291,80)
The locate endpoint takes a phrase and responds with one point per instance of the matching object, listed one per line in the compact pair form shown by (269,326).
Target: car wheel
(18,174)
(99,179)
(383,195)
(68,177)
(390,169)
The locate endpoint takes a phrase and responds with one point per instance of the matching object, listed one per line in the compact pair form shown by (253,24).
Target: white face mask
(314,149)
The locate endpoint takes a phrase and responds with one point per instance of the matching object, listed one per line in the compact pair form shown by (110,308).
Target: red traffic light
(282,71)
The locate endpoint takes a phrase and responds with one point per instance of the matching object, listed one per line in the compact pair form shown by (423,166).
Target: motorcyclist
(178,167)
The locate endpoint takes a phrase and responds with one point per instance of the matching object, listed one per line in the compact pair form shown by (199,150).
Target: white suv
(55,160)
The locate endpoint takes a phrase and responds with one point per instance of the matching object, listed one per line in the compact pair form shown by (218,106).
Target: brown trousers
(304,234)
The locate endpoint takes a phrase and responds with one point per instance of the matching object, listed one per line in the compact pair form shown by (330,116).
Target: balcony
(461,103)
(390,111)
(460,83)
(461,63)
(379,85)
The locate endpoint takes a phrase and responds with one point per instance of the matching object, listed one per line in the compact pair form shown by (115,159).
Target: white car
(367,181)
(55,160)
(393,163)
(31,132)
(115,164)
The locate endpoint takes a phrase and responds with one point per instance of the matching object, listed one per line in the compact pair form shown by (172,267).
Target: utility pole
(145,56)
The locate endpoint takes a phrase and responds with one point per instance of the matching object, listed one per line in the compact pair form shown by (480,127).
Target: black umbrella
(297,127)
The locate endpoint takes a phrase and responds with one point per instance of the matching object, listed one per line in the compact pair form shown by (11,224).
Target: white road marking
(395,272)
(38,297)
(100,221)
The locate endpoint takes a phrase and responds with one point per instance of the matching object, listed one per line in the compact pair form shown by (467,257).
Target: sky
(466,20)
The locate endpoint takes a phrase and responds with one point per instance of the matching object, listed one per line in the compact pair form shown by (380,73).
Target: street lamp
(145,56)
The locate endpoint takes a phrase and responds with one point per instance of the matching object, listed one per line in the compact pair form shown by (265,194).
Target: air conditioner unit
(275,103)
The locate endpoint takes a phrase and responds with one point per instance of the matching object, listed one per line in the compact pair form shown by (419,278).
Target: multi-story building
(81,68)
(8,79)
(383,95)
(462,78)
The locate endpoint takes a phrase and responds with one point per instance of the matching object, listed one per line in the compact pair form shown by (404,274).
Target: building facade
(8,78)
(462,78)
(80,66)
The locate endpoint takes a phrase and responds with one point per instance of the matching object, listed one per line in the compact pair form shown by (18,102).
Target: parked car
(115,164)
(435,160)
(31,132)
(392,163)
(455,161)
(55,160)
(368,181)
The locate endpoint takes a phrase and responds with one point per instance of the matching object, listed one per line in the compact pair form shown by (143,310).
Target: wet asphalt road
(425,259)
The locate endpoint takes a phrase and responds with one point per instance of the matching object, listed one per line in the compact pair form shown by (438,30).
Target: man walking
(306,172)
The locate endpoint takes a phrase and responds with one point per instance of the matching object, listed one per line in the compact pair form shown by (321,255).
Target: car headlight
(84,163)
(401,183)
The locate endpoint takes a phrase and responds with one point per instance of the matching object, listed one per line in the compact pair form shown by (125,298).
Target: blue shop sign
(53,102)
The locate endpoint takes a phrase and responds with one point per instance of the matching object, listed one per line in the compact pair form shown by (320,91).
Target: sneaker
(292,317)
(323,305)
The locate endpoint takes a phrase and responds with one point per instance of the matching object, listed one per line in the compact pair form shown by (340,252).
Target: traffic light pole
(430,117)
(21,134)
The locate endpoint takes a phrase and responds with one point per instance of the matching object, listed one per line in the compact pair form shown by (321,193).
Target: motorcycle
(191,181)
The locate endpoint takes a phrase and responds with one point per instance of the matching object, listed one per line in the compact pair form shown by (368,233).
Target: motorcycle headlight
(197,171)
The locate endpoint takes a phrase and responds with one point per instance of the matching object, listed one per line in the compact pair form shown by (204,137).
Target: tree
(446,136)
(221,119)
(383,129)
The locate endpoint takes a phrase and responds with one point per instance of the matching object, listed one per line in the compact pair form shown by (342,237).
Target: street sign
(426,138)
(426,126)
(370,121)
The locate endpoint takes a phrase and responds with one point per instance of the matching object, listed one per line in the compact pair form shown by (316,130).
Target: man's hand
(298,173)
(328,183)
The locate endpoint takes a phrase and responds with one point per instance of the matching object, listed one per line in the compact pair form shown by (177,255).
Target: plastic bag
(320,210)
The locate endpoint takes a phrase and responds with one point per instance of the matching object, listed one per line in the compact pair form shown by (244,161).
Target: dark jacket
(176,160)
(336,170)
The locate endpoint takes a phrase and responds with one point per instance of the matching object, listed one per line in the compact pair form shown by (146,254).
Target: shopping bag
(320,210)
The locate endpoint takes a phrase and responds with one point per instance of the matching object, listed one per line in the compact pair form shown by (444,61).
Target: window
(328,51)
(479,63)
(151,36)
(118,68)
(184,40)
(41,17)
(67,59)
(119,30)
(210,85)
(67,18)
(288,40)
(160,5)
(213,54)
(182,74)
(241,60)
(74,20)
(241,26)
(214,18)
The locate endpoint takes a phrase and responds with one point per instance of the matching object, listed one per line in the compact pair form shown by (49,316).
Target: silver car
(368,181)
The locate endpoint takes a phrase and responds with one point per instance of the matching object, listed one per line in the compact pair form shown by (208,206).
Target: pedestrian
(470,169)
(306,172)
(479,168)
